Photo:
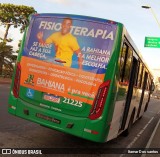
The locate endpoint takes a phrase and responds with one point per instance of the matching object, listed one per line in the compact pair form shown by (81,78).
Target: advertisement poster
(67,57)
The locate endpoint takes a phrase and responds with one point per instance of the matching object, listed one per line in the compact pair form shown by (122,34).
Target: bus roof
(90,18)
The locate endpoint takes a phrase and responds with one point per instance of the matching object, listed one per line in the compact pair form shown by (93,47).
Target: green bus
(79,75)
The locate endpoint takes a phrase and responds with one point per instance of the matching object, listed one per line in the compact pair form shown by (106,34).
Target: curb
(5,82)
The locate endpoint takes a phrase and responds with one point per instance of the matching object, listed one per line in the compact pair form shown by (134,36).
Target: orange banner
(59,80)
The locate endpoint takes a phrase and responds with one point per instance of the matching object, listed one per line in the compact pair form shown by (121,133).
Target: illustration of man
(65,44)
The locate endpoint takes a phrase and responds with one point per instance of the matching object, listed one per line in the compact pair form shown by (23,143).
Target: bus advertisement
(54,64)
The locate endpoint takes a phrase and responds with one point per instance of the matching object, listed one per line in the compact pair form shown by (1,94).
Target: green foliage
(16,15)
(6,56)
(11,15)
(6,51)
(19,45)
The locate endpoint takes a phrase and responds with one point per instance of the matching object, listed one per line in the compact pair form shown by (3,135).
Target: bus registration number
(72,102)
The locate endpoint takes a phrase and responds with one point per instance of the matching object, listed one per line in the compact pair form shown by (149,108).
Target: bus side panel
(145,99)
(118,96)
(116,121)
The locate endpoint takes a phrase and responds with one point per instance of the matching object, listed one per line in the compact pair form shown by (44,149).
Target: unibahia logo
(29,80)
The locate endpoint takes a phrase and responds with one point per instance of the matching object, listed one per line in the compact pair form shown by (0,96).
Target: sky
(139,22)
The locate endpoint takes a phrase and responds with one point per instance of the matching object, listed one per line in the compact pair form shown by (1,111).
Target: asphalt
(155,142)
(153,145)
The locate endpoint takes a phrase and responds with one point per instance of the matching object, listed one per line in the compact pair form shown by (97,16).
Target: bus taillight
(17,80)
(99,101)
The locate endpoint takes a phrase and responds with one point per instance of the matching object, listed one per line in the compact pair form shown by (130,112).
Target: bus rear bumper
(50,119)
(78,126)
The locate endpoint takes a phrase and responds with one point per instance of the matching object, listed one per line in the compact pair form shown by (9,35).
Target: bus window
(136,76)
(148,83)
(122,61)
(142,78)
(146,88)
(140,75)
(126,60)
(128,66)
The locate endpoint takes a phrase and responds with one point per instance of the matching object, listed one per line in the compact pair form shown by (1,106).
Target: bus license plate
(54,120)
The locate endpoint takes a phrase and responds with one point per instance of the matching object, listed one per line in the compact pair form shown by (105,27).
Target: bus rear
(50,88)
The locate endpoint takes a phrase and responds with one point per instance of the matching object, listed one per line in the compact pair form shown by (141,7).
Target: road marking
(138,135)
(152,136)
(151,111)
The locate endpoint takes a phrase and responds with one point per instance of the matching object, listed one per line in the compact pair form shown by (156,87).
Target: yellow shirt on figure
(65,46)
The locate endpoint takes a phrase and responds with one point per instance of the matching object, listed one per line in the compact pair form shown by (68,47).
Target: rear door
(128,67)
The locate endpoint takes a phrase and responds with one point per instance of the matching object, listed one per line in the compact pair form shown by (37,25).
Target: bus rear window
(89,40)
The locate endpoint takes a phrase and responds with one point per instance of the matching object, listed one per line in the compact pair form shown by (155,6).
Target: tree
(16,15)
(6,56)
(12,15)
(19,46)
